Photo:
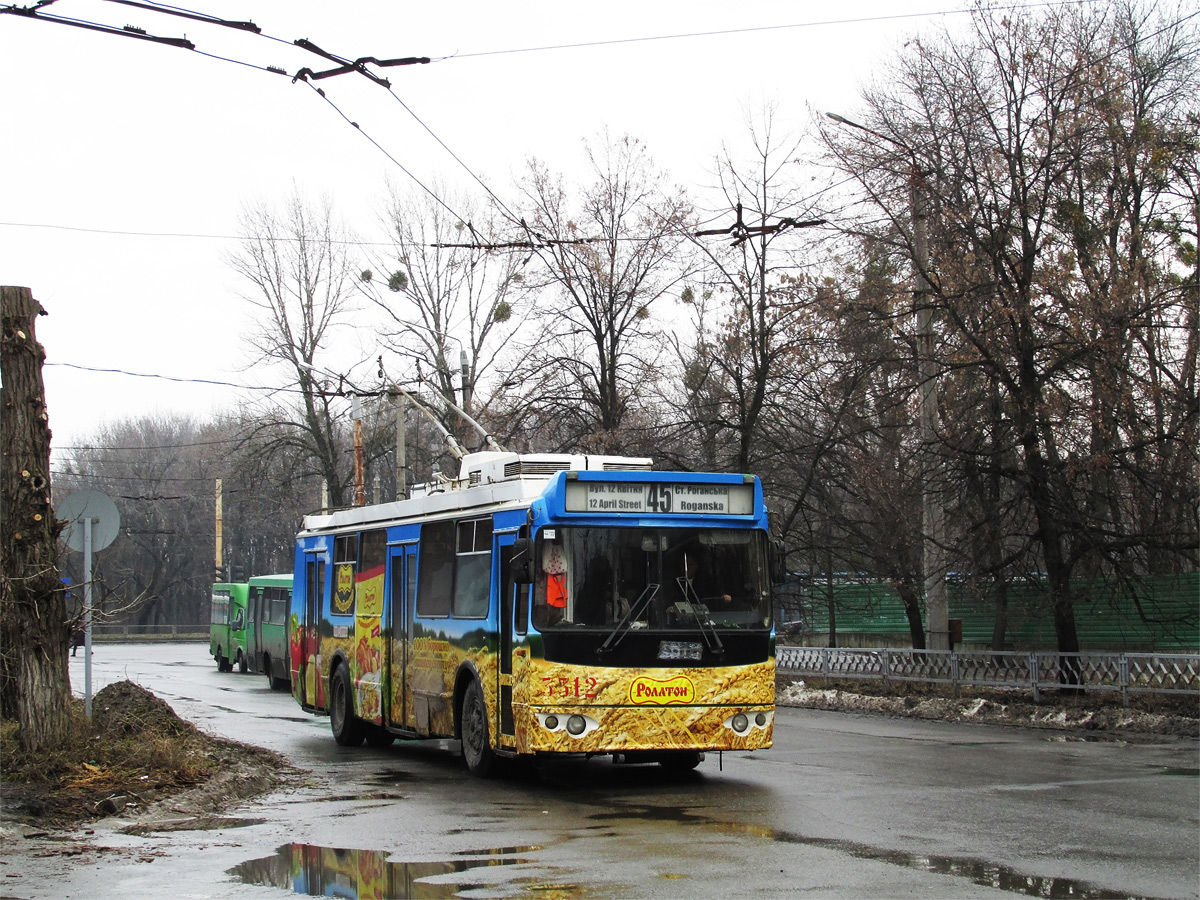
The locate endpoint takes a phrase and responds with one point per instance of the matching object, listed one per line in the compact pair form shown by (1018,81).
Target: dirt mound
(133,753)
(124,708)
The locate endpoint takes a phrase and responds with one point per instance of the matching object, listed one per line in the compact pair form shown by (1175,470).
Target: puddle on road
(977,871)
(327,871)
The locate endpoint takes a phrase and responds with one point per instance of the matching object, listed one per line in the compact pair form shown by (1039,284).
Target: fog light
(551,722)
(760,720)
(739,723)
(576,725)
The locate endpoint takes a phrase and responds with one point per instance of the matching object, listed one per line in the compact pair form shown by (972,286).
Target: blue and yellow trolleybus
(543,604)
(268,603)
(227,628)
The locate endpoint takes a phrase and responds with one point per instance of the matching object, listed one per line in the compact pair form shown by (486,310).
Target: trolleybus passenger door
(401,586)
(507,735)
(309,664)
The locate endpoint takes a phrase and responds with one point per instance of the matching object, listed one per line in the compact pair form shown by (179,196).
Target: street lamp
(933,513)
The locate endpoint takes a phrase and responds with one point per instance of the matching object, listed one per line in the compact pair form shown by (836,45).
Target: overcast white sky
(124,164)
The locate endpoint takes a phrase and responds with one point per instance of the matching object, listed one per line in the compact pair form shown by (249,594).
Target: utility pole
(933,513)
(360,487)
(219,527)
(401,454)
(467,387)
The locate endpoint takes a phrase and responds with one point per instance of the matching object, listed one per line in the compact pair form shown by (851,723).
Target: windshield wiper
(699,613)
(626,621)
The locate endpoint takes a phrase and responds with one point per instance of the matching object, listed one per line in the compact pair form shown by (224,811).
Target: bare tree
(159,572)
(450,299)
(607,256)
(1036,143)
(34,686)
(297,262)
(754,275)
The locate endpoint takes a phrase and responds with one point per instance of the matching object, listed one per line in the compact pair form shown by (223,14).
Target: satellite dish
(93,505)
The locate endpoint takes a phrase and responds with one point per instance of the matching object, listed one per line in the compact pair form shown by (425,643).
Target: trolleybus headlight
(576,725)
(742,722)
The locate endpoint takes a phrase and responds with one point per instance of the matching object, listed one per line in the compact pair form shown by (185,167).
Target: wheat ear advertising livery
(543,604)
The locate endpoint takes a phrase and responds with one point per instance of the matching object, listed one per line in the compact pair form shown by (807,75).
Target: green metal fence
(1158,614)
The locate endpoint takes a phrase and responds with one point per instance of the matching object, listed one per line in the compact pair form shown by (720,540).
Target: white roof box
(489,467)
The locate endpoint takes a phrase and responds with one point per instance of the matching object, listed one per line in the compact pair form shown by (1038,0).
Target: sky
(125,164)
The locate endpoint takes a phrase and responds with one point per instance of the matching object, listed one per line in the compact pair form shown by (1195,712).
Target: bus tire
(243,663)
(347,728)
(223,663)
(276,684)
(473,731)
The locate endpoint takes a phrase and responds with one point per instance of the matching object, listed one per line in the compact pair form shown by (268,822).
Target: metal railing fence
(1126,673)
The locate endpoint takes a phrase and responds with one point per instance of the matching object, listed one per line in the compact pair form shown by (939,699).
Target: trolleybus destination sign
(656,499)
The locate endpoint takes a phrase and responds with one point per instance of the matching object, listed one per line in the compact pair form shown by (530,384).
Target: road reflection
(370,875)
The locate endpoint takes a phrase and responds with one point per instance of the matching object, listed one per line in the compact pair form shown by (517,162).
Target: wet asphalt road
(842,806)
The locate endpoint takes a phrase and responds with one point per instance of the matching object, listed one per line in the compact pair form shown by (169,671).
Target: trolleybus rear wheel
(223,663)
(347,729)
(476,746)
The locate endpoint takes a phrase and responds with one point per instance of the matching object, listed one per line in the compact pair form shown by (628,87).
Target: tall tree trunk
(912,611)
(33,618)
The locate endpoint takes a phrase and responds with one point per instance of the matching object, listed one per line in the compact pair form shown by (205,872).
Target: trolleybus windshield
(677,579)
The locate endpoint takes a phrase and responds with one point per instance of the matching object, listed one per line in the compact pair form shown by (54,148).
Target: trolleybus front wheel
(683,761)
(378,736)
(473,724)
(347,729)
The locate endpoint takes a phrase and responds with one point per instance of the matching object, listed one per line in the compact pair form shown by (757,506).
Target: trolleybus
(227,628)
(268,603)
(543,604)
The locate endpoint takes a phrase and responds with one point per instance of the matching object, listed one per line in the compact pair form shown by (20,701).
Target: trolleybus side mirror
(778,558)
(521,565)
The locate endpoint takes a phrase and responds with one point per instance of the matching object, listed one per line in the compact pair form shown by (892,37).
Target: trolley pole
(401,455)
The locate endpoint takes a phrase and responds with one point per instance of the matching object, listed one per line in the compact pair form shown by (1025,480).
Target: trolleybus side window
(345,560)
(473,565)
(435,581)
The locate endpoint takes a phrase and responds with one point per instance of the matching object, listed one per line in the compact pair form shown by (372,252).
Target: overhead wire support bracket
(346,66)
(185,14)
(32,13)
(741,232)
